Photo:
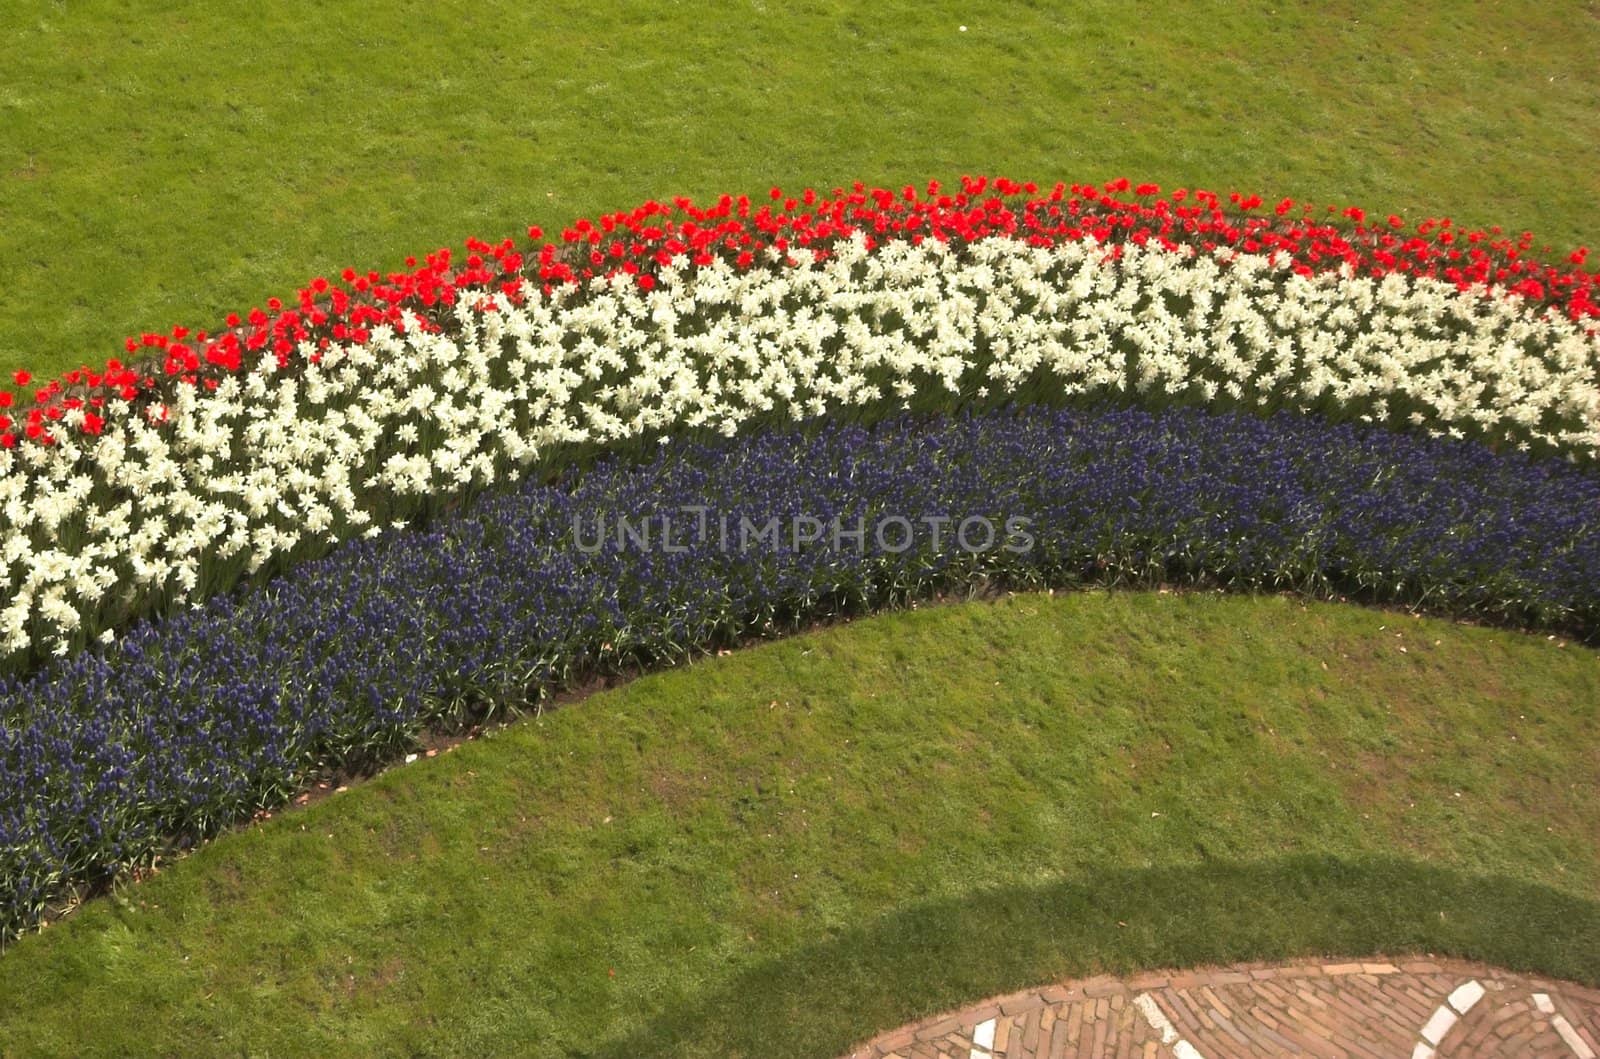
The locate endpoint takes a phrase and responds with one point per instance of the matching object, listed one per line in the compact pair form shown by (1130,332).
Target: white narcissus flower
(269,455)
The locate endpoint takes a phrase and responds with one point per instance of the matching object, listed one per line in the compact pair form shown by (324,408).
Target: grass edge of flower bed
(1329,904)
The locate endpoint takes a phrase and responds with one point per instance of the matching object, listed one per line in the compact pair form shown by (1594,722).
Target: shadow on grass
(933,957)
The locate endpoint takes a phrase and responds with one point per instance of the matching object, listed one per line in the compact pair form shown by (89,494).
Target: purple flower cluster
(195,721)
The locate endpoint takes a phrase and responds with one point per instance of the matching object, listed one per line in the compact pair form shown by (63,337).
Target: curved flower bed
(187,724)
(365,402)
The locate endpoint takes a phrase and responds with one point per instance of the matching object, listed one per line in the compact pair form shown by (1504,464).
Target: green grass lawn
(781,851)
(186,160)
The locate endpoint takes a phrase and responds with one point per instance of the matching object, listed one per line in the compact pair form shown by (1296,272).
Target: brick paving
(1423,1009)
